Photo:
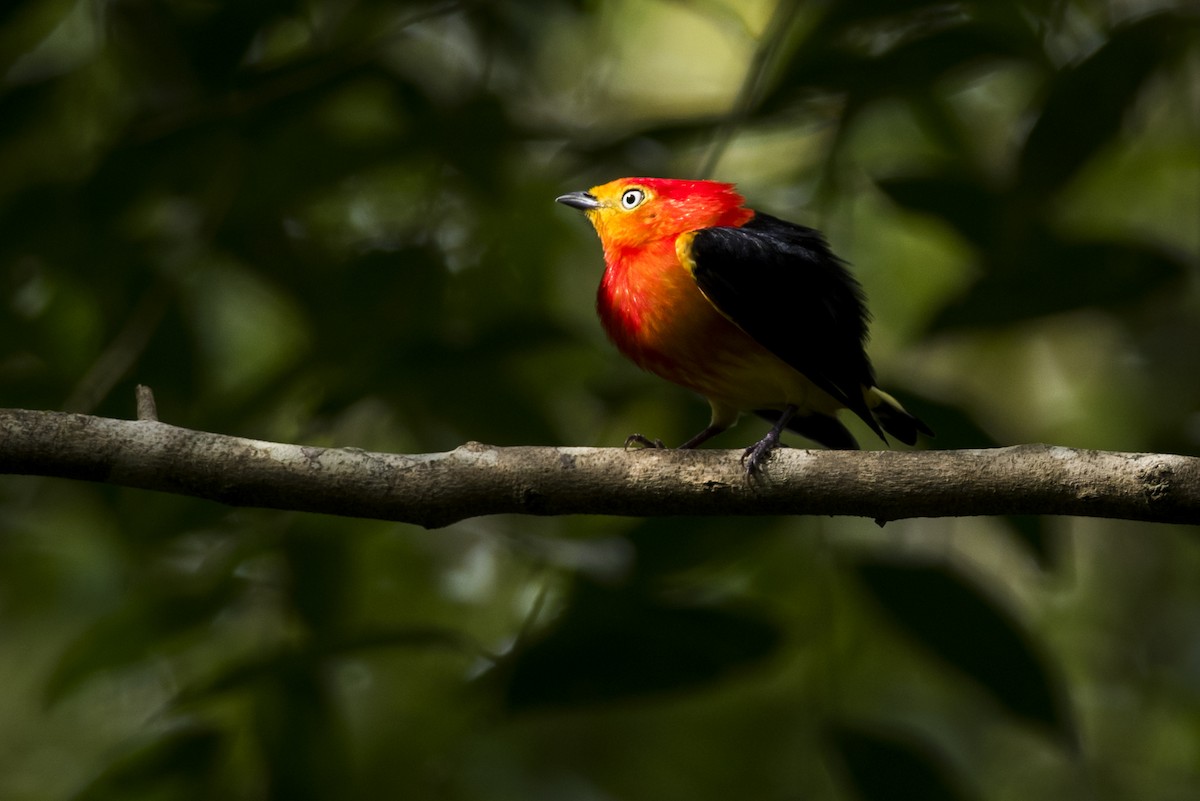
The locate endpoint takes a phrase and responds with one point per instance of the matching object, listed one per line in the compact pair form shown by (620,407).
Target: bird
(752,312)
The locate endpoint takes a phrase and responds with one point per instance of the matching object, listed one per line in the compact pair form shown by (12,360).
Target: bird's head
(631,212)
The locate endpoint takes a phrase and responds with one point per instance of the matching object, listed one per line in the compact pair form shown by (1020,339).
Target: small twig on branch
(441,488)
(147,409)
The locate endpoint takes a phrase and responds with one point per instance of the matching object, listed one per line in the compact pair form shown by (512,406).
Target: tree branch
(441,488)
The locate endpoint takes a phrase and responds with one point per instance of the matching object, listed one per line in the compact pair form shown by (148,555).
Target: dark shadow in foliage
(1083,110)
(859,53)
(301,735)
(1053,275)
(1030,271)
(251,673)
(1037,533)
(936,40)
(297,717)
(953,617)
(666,546)
(148,623)
(1086,104)
(298,723)
(970,207)
(621,643)
(180,765)
(892,766)
(320,577)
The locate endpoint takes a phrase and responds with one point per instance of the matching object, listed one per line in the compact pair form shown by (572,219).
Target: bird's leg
(644,442)
(757,454)
(703,436)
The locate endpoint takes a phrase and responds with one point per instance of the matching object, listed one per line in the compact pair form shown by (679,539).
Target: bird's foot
(643,442)
(755,457)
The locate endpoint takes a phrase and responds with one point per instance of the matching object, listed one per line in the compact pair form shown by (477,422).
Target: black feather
(780,283)
(901,424)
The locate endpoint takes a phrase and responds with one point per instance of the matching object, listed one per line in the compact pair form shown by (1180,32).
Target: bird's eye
(632,198)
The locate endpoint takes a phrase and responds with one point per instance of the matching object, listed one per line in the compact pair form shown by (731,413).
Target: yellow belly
(740,375)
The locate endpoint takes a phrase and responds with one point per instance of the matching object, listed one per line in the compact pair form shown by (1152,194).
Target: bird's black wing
(780,283)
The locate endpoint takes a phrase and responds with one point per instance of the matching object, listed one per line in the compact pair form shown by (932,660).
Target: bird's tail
(894,418)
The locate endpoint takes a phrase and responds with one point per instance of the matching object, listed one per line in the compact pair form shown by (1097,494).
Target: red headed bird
(752,312)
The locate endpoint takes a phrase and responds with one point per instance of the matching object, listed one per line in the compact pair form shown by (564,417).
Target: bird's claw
(643,442)
(755,457)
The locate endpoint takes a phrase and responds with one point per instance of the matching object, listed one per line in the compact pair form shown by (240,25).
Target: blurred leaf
(261,668)
(894,767)
(24,24)
(178,764)
(1086,104)
(614,644)
(972,209)
(147,624)
(958,621)
(916,54)
(1049,276)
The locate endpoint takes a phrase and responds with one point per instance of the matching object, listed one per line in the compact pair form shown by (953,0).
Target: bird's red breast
(648,301)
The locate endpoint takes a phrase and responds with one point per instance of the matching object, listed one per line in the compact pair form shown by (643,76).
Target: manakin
(752,312)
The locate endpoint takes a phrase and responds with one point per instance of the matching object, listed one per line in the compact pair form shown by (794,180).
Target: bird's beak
(584,201)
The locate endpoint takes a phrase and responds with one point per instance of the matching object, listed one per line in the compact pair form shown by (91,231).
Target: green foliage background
(332,222)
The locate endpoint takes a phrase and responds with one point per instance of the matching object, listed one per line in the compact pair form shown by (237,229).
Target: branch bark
(437,489)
